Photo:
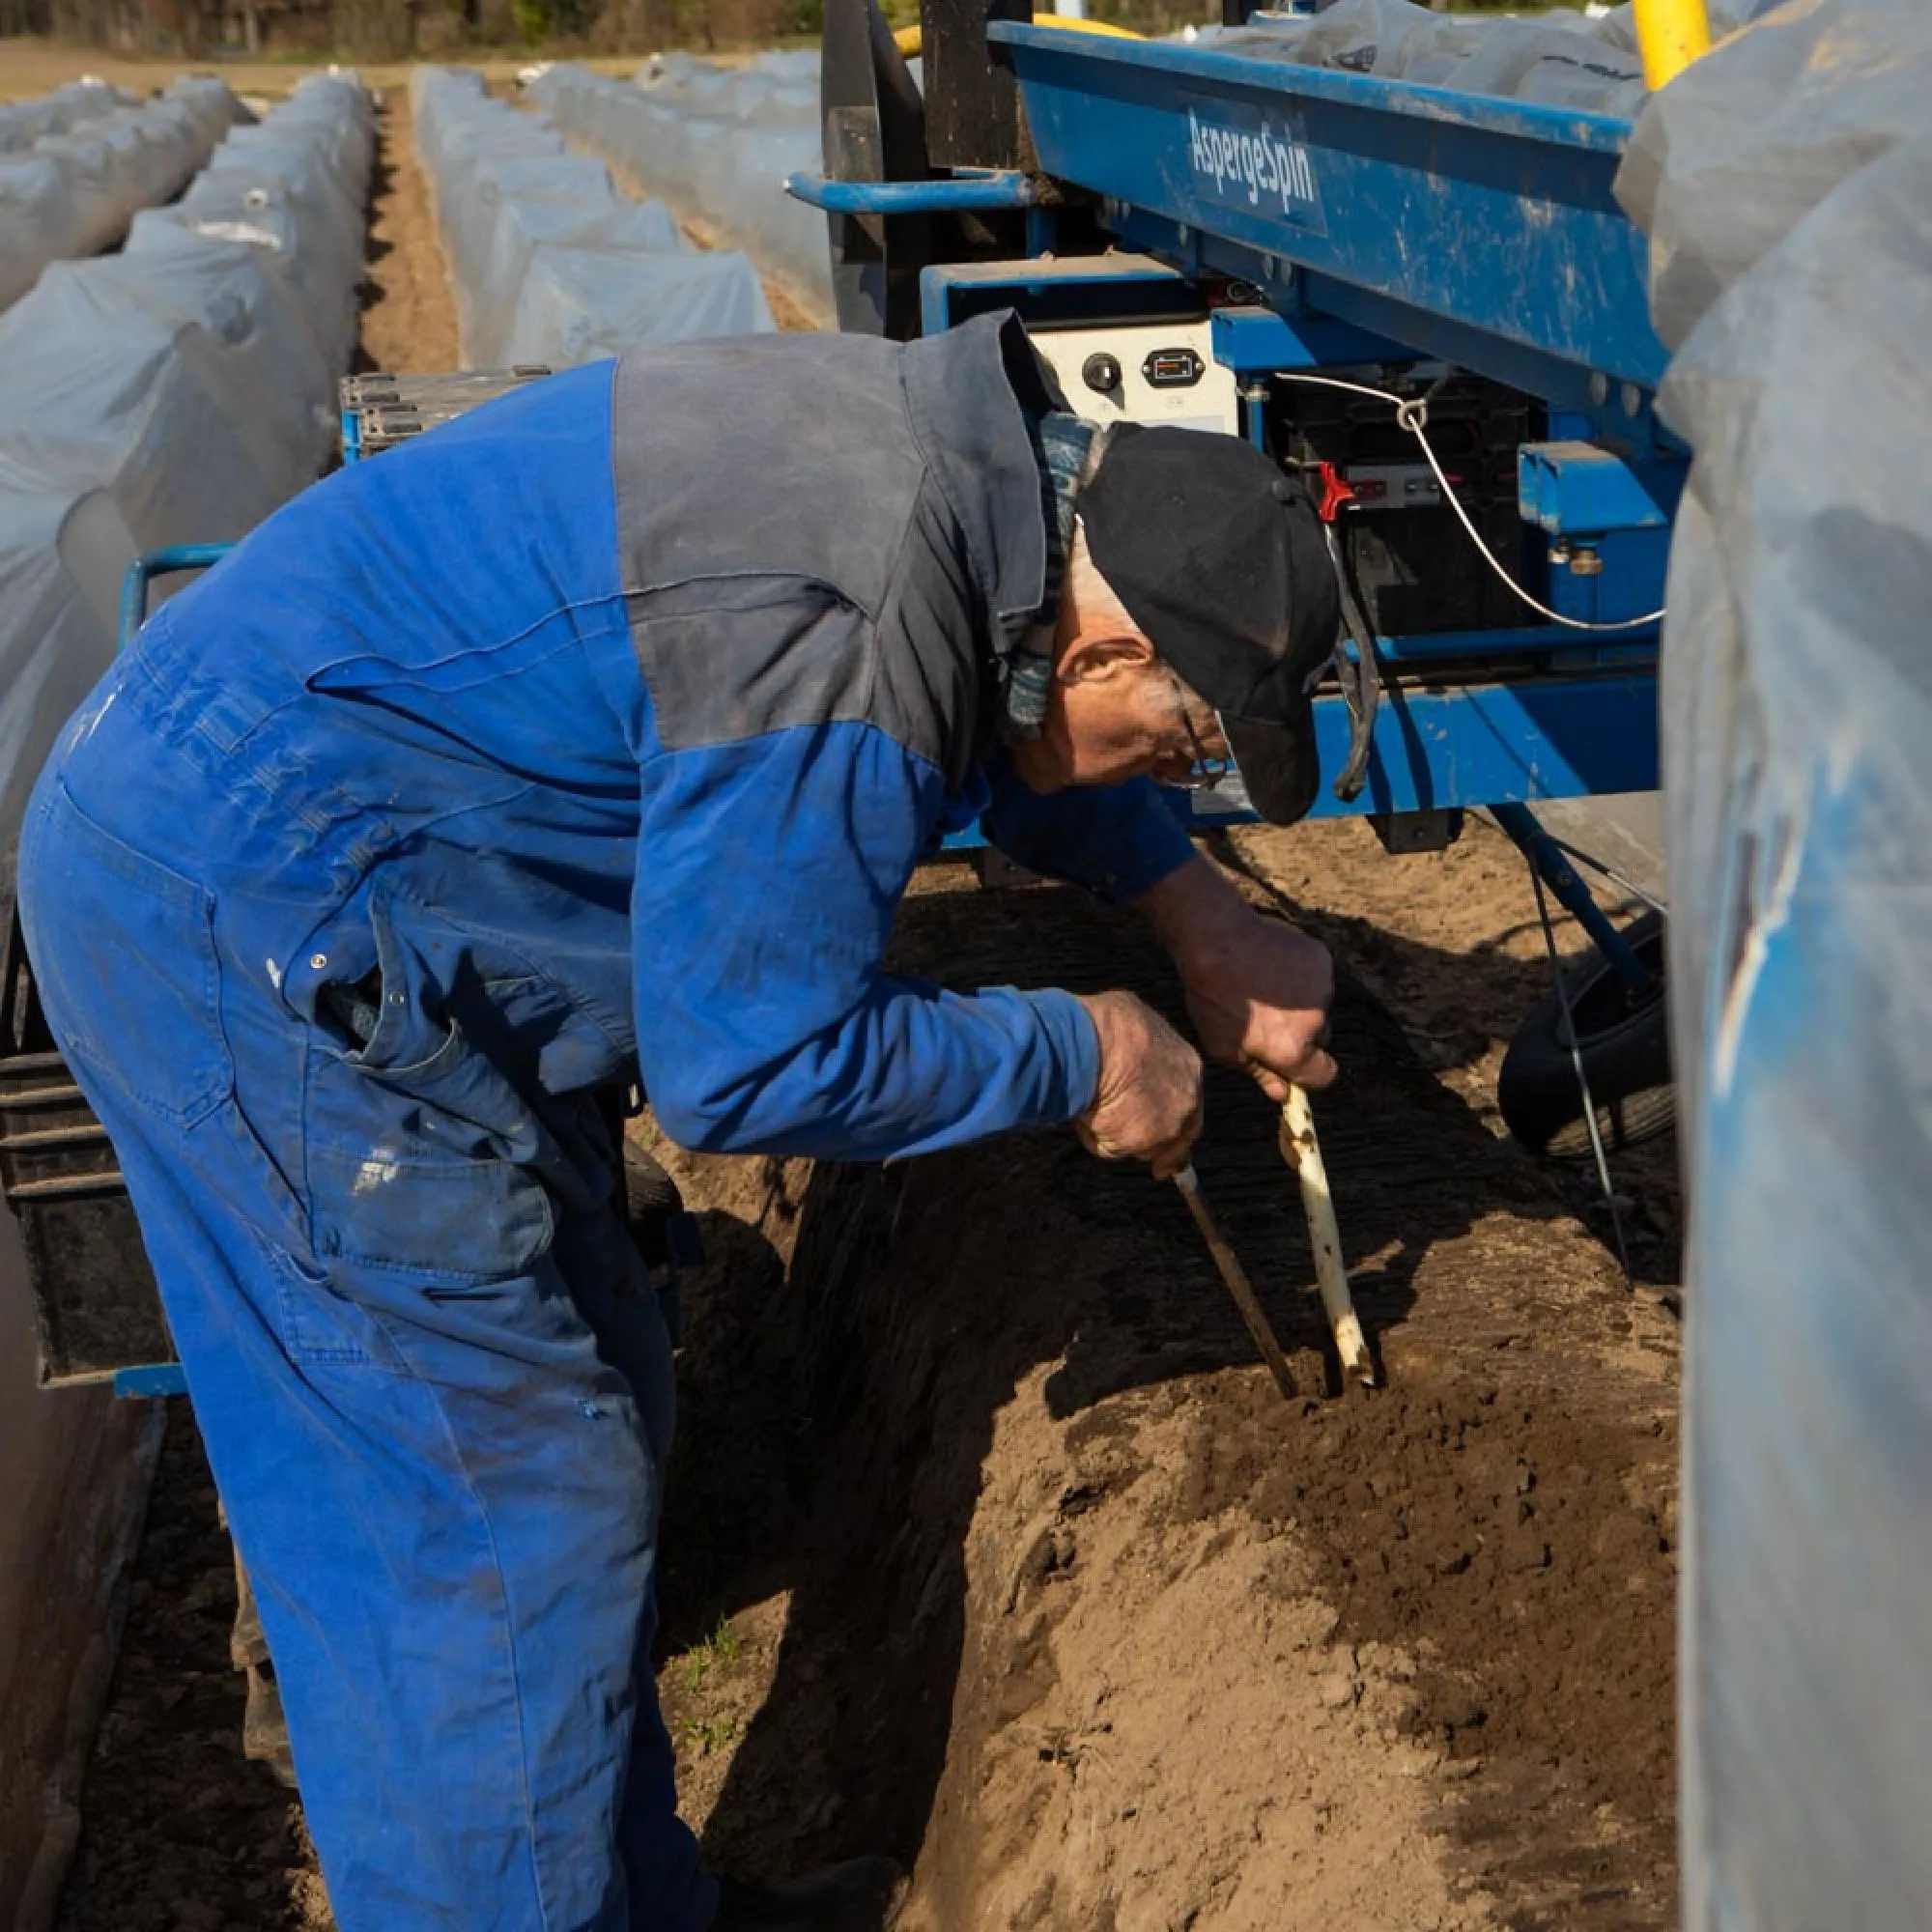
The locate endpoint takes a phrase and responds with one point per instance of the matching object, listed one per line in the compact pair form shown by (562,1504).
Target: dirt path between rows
(409,312)
(990,1546)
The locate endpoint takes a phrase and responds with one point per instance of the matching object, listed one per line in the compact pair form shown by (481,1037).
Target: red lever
(1335,492)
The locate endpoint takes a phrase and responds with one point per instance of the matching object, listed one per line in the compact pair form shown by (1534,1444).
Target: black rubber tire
(648,1188)
(1626,1052)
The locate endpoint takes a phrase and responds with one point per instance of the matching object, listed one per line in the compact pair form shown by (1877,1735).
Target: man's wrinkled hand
(1258,989)
(1259,992)
(1147,1105)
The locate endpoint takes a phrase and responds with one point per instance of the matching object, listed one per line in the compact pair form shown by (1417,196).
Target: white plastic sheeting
(75,189)
(550,263)
(1786,184)
(22,123)
(716,143)
(175,392)
(1558,59)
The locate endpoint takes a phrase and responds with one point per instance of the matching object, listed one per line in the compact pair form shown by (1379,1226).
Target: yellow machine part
(908,39)
(1671,34)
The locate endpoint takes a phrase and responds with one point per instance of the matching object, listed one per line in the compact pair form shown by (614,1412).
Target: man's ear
(1095,656)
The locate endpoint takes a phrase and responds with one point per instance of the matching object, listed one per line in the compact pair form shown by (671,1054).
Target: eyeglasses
(1203,771)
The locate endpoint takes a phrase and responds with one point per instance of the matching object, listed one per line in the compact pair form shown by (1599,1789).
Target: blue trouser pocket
(421,1152)
(125,957)
(409,1166)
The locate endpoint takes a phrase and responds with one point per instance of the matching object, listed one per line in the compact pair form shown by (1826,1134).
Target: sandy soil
(990,1546)
(1075,1615)
(1411,928)
(179,1833)
(409,314)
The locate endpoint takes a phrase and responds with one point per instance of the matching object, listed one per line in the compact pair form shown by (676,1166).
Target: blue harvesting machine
(1425,302)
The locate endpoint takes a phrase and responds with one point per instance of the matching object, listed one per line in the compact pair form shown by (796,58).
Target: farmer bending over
(593,738)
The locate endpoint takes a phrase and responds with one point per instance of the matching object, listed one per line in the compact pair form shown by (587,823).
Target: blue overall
(596,734)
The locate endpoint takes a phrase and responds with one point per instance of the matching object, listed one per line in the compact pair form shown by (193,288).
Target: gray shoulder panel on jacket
(787,554)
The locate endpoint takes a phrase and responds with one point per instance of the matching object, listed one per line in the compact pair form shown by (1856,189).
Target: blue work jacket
(645,687)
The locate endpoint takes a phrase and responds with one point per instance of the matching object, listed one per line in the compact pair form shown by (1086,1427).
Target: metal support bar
(153,1379)
(1255,340)
(1526,832)
(968,191)
(1253,414)
(156,564)
(68,1187)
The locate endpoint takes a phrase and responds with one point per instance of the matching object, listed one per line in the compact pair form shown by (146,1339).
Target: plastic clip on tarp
(74,189)
(1785,182)
(176,391)
(717,143)
(550,263)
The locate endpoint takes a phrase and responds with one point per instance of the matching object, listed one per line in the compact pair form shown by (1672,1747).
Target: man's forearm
(1195,911)
(1258,990)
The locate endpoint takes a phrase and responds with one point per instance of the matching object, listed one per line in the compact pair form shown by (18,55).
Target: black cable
(1360,678)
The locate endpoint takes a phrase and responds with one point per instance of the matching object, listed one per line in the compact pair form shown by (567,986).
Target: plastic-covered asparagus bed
(550,263)
(22,123)
(1785,182)
(99,158)
(1556,58)
(175,392)
(717,144)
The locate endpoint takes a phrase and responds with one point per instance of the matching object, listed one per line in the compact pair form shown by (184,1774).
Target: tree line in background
(399,29)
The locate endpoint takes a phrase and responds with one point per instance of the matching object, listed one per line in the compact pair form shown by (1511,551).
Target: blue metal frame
(1033,286)
(153,1379)
(1556,871)
(1313,185)
(154,563)
(1561,715)
(1502,746)
(1253,339)
(1575,489)
(967,188)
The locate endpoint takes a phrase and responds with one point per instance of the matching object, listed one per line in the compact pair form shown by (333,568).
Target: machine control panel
(1152,372)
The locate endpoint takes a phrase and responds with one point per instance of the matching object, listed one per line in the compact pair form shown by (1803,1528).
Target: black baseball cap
(1220,561)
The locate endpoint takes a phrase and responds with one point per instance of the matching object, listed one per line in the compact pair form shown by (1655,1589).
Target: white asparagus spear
(1303,1153)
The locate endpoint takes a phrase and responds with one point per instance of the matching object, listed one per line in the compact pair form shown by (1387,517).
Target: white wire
(1413,414)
